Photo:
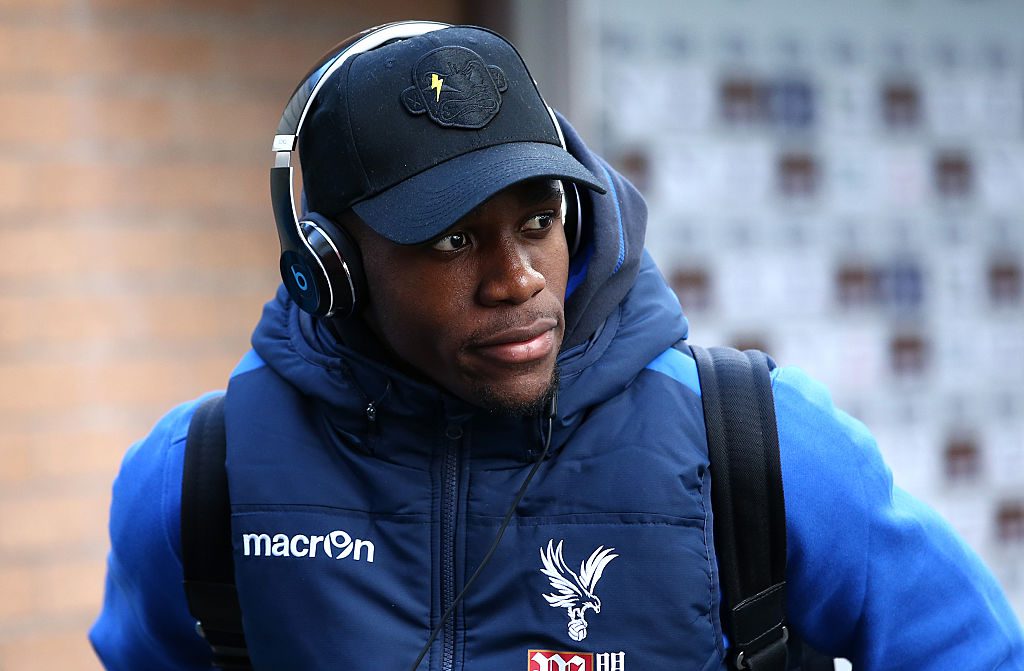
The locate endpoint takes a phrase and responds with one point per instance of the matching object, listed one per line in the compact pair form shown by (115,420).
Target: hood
(620,315)
(611,246)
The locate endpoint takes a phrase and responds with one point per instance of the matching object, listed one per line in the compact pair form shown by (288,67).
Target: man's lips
(522,344)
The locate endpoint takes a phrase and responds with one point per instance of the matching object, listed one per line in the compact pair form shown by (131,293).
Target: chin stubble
(497,403)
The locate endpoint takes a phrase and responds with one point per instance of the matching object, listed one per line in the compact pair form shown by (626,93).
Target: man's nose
(508,275)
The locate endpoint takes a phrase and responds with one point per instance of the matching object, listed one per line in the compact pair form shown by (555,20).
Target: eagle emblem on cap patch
(455,88)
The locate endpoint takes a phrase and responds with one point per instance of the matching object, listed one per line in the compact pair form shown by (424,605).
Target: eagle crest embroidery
(574,591)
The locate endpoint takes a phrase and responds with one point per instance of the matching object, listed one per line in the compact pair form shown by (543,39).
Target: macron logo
(337,545)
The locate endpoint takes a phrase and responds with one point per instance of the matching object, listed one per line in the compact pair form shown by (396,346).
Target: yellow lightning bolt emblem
(436,83)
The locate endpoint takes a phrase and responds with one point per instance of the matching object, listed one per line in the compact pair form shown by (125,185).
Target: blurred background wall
(138,247)
(842,185)
(839,185)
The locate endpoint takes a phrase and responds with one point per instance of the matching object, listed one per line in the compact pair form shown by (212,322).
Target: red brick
(118,321)
(15,463)
(47,186)
(36,119)
(103,51)
(45,589)
(41,251)
(65,453)
(66,649)
(353,17)
(54,386)
(145,126)
(17,588)
(134,53)
(15,187)
(41,50)
(83,252)
(68,454)
(241,122)
(281,59)
(70,187)
(40,523)
(244,120)
(236,8)
(34,7)
(118,120)
(274,59)
(40,387)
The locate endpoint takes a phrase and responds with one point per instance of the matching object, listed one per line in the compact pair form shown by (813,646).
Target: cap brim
(425,205)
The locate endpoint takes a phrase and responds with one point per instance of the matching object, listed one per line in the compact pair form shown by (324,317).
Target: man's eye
(540,222)
(452,242)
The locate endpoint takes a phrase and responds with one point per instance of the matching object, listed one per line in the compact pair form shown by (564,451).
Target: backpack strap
(748,503)
(206,552)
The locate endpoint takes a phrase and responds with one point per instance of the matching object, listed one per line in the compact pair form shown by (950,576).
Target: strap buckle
(769,650)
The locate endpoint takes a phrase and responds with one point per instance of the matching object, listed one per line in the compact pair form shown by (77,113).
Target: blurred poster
(686,175)
(855,176)
(1001,101)
(951,104)
(686,97)
(903,174)
(1001,175)
(851,103)
(745,174)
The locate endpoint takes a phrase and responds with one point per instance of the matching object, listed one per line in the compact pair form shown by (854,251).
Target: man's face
(479,310)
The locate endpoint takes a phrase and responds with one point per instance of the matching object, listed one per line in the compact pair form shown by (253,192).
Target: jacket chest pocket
(615,586)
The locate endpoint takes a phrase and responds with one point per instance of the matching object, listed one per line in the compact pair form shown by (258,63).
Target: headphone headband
(306,248)
(295,111)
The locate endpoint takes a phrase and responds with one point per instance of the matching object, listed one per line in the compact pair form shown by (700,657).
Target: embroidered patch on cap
(455,88)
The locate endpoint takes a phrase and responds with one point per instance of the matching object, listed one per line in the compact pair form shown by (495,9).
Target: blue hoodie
(351,536)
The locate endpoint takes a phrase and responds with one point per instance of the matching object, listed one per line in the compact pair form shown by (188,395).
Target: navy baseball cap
(415,134)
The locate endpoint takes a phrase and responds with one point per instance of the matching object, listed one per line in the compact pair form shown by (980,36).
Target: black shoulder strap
(206,552)
(747,502)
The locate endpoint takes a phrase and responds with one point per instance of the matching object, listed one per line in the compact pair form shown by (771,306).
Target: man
(374,458)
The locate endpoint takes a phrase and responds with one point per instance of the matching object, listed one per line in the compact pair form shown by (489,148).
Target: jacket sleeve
(145,623)
(875,575)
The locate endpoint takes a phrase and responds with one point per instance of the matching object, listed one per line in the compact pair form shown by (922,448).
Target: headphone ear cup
(336,270)
(305,280)
(353,293)
(572,217)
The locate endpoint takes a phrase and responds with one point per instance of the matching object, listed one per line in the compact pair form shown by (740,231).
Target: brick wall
(137,247)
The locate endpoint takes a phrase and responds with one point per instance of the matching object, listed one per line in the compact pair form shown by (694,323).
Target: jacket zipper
(449,507)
